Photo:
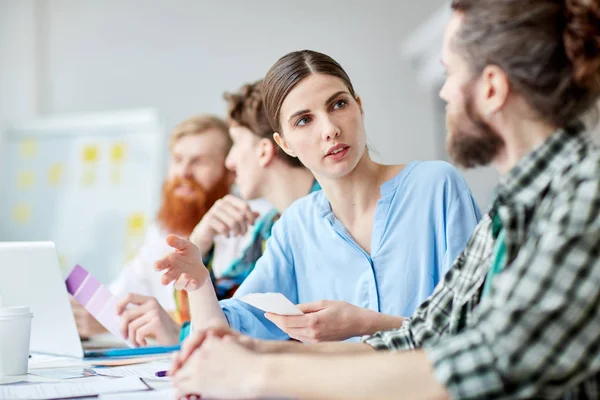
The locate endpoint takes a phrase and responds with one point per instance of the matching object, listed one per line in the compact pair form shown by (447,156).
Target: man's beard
(471,142)
(179,214)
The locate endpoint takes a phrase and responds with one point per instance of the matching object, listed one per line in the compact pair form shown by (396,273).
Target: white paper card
(68,390)
(139,370)
(275,303)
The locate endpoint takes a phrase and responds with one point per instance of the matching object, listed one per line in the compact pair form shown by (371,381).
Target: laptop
(31,276)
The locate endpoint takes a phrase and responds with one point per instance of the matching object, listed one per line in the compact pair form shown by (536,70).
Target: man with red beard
(196,179)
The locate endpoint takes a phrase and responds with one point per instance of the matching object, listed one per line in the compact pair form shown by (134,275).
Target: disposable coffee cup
(15,334)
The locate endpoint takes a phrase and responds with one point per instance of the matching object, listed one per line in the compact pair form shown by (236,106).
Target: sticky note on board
(62,260)
(55,174)
(90,154)
(88,178)
(115,177)
(96,299)
(275,303)
(136,224)
(25,179)
(28,149)
(117,152)
(22,213)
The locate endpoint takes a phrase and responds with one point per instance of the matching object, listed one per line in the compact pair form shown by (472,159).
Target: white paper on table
(12,380)
(275,303)
(50,361)
(139,370)
(64,390)
(165,394)
(63,373)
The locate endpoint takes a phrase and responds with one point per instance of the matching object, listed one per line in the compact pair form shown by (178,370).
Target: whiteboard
(90,183)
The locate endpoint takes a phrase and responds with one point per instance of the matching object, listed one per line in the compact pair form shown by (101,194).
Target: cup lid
(13,311)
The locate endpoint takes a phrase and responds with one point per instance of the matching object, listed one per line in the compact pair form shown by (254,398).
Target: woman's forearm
(377,322)
(204,306)
(290,346)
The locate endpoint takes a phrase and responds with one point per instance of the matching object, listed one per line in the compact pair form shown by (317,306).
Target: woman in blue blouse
(356,256)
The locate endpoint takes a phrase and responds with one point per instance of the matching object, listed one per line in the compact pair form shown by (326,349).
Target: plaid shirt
(537,335)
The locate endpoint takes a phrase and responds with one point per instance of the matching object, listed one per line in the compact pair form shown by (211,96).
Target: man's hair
(246,108)
(200,124)
(549,49)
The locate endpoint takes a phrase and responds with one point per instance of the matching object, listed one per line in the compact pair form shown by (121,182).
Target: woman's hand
(325,320)
(183,266)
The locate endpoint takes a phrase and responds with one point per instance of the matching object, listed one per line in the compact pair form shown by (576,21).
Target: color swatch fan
(96,299)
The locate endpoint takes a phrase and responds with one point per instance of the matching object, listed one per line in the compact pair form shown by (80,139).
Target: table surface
(39,362)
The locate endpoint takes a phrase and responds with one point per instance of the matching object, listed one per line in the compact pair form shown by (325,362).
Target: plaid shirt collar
(519,191)
(526,183)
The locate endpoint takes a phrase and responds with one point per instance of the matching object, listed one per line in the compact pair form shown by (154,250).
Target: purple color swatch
(76,278)
(96,299)
(98,302)
(87,290)
(109,319)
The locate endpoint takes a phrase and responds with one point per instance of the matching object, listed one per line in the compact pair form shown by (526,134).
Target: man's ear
(493,90)
(267,152)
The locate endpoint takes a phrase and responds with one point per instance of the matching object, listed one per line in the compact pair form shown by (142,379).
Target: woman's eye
(339,104)
(302,121)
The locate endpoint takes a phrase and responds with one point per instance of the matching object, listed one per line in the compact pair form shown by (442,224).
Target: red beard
(180,214)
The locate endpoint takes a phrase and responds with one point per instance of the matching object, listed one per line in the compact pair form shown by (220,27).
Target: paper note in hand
(275,303)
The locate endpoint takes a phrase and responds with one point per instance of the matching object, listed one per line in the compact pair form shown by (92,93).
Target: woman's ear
(359,102)
(266,152)
(283,144)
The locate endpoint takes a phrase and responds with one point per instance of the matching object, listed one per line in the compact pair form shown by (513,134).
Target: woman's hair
(549,49)
(245,108)
(288,71)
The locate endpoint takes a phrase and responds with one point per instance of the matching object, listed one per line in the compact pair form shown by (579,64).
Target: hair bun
(582,41)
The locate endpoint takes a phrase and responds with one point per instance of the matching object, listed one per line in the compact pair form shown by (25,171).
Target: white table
(40,363)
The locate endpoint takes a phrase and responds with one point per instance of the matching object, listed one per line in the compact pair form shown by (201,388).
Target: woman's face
(322,125)
(244,159)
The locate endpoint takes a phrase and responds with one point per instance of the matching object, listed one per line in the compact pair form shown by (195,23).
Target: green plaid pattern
(537,334)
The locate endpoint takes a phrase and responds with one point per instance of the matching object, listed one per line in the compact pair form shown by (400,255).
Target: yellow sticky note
(55,174)
(90,154)
(25,180)
(136,224)
(129,255)
(117,152)
(22,213)
(88,178)
(115,177)
(62,259)
(28,149)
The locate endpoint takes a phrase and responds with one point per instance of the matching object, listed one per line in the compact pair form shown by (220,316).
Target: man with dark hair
(518,315)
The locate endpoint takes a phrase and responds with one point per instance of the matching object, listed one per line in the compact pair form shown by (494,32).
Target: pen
(161,374)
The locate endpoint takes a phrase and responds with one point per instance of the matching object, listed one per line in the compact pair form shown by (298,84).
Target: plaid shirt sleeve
(433,317)
(538,331)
